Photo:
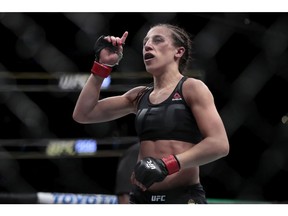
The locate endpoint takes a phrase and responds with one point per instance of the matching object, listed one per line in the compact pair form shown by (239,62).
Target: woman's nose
(147,46)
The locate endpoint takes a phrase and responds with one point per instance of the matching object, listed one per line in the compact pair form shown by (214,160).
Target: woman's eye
(157,40)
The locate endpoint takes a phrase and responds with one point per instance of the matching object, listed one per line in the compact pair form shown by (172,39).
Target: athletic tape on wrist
(172,164)
(101,70)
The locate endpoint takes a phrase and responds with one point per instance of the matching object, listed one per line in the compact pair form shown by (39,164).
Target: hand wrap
(101,69)
(150,170)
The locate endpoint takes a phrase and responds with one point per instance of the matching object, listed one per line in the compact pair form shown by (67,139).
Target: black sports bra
(170,120)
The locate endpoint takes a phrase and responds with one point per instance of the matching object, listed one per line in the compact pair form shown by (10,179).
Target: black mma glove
(100,44)
(150,170)
(104,70)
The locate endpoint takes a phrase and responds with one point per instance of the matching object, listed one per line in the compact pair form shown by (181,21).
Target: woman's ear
(180,51)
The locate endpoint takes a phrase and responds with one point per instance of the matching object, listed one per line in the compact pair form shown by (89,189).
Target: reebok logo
(176,97)
(150,165)
(157,198)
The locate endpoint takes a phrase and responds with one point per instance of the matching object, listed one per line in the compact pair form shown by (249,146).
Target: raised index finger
(123,38)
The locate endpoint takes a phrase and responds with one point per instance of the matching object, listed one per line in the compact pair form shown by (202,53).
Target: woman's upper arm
(201,102)
(114,107)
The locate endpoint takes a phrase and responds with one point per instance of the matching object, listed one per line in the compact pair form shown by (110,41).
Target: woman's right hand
(112,54)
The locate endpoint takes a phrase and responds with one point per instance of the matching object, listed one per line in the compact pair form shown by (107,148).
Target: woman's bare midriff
(164,148)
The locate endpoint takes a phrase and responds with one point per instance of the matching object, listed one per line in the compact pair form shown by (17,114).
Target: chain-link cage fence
(45,59)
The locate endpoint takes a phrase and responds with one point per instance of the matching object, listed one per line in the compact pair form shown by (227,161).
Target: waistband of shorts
(173,191)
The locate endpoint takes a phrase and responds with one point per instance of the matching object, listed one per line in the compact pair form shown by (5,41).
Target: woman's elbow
(76,116)
(224,148)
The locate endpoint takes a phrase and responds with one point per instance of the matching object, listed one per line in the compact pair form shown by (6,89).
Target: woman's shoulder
(194,83)
(134,93)
(136,90)
(195,88)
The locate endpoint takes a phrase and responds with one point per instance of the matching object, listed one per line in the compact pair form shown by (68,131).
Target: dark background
(242,57)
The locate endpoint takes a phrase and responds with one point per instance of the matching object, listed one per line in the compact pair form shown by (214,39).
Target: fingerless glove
(150,170)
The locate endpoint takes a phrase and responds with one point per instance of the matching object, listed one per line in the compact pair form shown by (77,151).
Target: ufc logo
(156,198)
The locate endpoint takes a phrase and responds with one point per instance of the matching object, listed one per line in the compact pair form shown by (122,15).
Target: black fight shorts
(193,194)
